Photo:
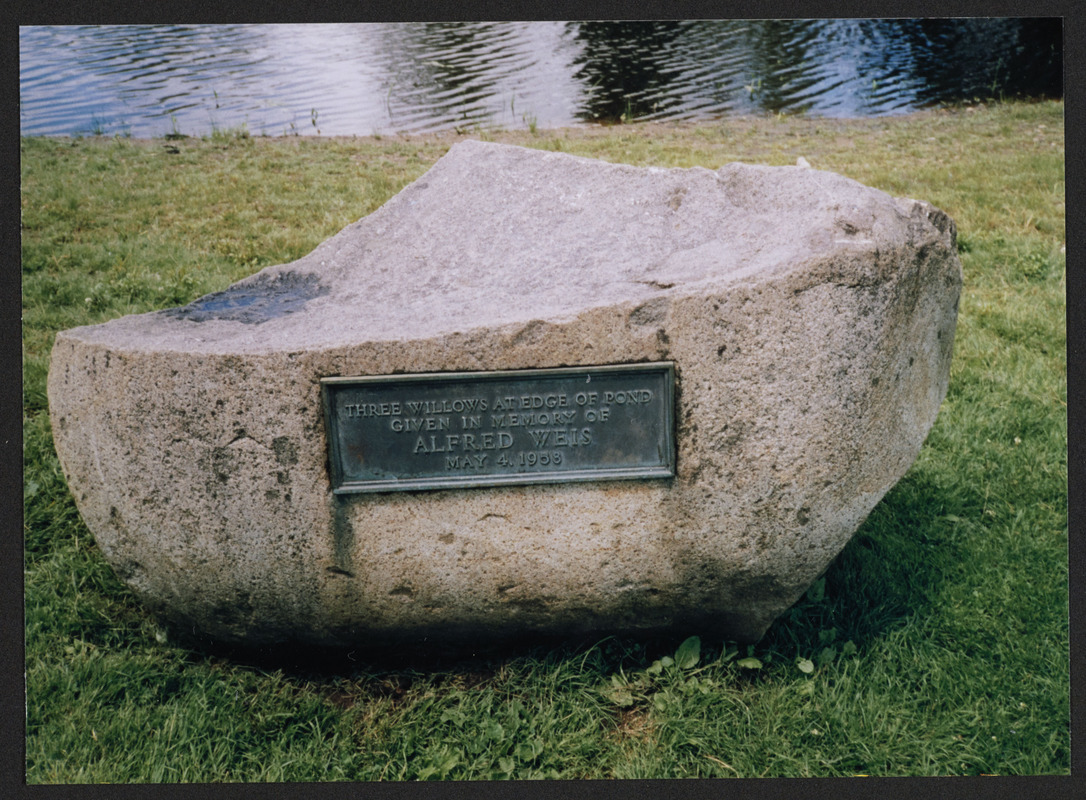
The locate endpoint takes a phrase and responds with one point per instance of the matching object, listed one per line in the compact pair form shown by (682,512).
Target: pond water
(343,79)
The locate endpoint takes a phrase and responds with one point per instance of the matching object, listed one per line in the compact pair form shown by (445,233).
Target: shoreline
(586,130)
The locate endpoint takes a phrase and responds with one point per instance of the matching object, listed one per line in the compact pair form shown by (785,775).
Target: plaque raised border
(454,430)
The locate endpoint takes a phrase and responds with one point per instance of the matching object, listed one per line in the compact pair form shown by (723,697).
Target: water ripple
(416,77)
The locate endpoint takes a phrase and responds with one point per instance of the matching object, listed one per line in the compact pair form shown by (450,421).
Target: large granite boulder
(809,321)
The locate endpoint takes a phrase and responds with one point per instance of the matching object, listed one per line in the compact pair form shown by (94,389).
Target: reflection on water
(415,77)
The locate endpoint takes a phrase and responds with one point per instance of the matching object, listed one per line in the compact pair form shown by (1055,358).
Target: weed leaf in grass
(689,653)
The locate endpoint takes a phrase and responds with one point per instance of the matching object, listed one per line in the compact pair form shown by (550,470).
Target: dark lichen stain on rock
(286,453)
(258,300)
(342,535)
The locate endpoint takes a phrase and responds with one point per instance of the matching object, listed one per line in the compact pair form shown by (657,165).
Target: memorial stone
(531,394)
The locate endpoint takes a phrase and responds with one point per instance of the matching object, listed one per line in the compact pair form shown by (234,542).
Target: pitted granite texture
(810,320)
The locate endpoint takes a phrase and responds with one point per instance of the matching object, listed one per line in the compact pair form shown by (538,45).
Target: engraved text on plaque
(451,430)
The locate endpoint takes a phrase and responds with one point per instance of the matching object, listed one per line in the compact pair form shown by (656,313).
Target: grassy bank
(937,643)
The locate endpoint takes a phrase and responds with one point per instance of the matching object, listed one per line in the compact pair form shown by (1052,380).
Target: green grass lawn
(936,644)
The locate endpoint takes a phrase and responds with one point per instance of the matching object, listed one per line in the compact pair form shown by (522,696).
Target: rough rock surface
(810,320)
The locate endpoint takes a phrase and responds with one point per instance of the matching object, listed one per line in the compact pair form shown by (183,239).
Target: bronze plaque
(461,429)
